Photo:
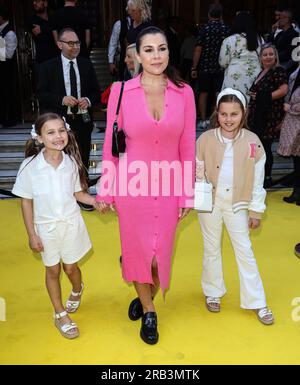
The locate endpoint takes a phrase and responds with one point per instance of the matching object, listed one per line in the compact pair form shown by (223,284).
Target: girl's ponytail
(73,151)
(32,148)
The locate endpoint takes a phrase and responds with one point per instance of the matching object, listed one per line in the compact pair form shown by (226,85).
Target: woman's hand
(183,213)
(103,207)
(286,107)
(254,223)
(35,243)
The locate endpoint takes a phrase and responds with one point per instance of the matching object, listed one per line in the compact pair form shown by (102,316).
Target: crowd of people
(250,82)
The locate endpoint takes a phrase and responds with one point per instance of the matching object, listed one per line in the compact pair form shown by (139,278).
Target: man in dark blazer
(68,86)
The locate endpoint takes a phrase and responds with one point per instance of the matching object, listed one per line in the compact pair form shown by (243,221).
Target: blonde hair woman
(266,104)
(140,13)
(133,66)
(140,8)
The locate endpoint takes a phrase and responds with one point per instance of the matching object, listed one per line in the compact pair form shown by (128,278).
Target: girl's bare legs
(54,290)
(74,275)
(53,287)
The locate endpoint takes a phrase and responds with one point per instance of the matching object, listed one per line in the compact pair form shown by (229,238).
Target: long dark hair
(33,147)
(244,23)
(170,71)
(229,99)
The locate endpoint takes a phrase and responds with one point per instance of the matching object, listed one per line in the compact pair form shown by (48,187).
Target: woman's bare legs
(147,292)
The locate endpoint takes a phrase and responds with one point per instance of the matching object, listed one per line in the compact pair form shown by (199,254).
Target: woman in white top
(239,55)
(50,181)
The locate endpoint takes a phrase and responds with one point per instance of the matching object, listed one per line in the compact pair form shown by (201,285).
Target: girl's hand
(36,244)
(183,213)
(286,107)
(254,223)
(102,207)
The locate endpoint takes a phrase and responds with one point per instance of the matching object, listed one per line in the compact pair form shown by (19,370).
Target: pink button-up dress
(148,199)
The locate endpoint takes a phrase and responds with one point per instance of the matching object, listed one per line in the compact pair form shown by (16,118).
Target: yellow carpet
(189,334)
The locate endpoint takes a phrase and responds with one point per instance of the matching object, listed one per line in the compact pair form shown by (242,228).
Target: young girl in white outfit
(233,160)
(50,180)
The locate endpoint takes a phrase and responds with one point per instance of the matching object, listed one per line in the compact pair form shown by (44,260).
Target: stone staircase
(99,59)
(12,145)
(12,140)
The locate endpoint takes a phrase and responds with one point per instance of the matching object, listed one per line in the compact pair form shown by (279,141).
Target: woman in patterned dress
(266,105)
(289,143)
(239,55)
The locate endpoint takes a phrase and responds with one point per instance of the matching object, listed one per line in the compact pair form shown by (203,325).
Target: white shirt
(66,68)
(52,190)
(114,42)
(226,174)
(11,42)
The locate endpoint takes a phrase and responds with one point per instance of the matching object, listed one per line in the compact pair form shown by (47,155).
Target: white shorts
(67,241)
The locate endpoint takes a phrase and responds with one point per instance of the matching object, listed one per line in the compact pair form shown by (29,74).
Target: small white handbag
(203,196)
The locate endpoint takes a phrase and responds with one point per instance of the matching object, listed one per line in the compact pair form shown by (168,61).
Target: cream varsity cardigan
(248,162)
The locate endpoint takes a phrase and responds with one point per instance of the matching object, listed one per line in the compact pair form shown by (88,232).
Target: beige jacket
(248,174)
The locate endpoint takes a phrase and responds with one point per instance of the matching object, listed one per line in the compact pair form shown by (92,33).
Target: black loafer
(297,250)
(149,333)
(135,310)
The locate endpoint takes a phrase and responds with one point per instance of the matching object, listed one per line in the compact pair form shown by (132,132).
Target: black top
(210,39)
(44,42)
(283,43)
(266,115)
(75,18)
(132,33)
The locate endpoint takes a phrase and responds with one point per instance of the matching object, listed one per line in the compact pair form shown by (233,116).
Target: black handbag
(118,136)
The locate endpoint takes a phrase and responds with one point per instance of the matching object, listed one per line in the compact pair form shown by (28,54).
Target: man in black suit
(68,86)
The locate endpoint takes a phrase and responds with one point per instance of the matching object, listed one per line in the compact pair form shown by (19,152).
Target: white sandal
(72,306)
(68,330)
(213,304)
(265,316)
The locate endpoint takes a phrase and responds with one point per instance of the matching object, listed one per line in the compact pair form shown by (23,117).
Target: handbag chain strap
(120,99)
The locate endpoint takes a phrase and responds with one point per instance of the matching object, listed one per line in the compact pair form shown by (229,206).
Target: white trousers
(252,293)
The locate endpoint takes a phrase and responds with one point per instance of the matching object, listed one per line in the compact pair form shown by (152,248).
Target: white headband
(34,135)
(232,91)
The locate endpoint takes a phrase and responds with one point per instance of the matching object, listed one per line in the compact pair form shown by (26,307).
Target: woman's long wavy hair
(143,6)
(170,71)
(33,147)
(214,121)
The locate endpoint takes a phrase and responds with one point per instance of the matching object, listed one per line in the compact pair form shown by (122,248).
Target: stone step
(12,145)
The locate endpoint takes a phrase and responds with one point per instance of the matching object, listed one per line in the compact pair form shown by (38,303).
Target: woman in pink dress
(151,185)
